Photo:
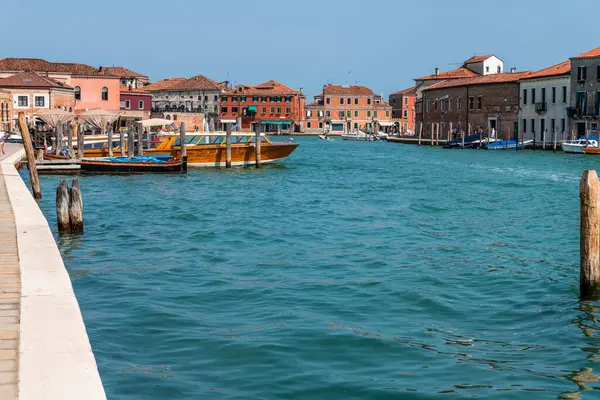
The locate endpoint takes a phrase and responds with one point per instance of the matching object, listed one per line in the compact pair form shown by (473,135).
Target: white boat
(577,146)
(360,135)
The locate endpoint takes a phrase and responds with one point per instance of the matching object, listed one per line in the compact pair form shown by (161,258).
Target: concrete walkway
(45,352)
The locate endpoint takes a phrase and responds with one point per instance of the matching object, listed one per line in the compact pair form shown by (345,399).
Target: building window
(234,110)
(543,95)
(375,114)
(581,101)
(141,104)
(458,104)
(243,99)
(554,95)
(288,111)
(369,101)
(564,90)
(479,102)
(368,114)
(223,110)
(356,100)
(263,99)
(471,102)
(406,101)
(272,110)
(581,74)
(278,110)
(234,98)
(487,69)
(341,100)
(320,125)
(435,105)
(524,96)
(77,93)
(405,114)
(348,114)
(127,104)
(328,101)
(216,98)
(23,101)
(387,114)
(341,114)
(105,93)
(308,125)
(264,110)
(563,125)
(309,113)
(532,125)
(524,126)
(328,113)
(39,101)
(498,69)
(123,82)
(355,114)
(288,99)
(356,125)
(450,104)
(349,101)
(532,96)
(552,125)
(598,72)
(224,98)
(255,99)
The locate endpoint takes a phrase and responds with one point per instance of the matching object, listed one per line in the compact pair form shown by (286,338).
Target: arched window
(77,93)
(105,93)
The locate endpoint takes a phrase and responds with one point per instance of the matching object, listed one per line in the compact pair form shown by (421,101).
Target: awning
(156,122)
(337,121)
(252,108)
(275,122)
(385,123)
(228,121)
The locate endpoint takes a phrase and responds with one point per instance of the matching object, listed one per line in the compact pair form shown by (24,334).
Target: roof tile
(345,90)
(30,79)
(564,68)
(457,73)
(592,53)
(481,80)
(409,91)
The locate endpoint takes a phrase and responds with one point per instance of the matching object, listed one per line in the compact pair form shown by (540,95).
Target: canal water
(353,271)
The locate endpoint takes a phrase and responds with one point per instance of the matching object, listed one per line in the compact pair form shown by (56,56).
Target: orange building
(347,108)
(403,109)
(30,93)
(93,87)
(271,104)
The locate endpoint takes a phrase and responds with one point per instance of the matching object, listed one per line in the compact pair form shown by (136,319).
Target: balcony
(541,107)
(577,112)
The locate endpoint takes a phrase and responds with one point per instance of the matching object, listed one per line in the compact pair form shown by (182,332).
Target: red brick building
(482,103)
(271,104)
(403,109)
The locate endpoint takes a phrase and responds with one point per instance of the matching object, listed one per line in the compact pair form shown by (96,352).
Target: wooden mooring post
(228,146)
(449,137)
(69,207)
(70,128)
(432,133)
(109,133)
(58,141)
(27,143)
(589,274)
(140,138)
(182,143)
(122,141)
(420,132)
(554,140)
(130,142)
(507,137)
(81,141)
(257,146)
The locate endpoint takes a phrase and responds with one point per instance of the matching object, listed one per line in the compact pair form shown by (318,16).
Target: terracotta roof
(39,65)
(163,84)
(132,90)
(383,104)
(264,89)
(592,53)
(345,90)
(410,91)
(478,59)
(198,82)
(564,68)
(481,80)
(121,72)
(31,80)
(457,73)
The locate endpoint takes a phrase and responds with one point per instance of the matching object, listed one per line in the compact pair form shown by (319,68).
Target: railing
(541,107)
(589,111)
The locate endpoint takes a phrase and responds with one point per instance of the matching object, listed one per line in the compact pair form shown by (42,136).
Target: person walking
(3,138)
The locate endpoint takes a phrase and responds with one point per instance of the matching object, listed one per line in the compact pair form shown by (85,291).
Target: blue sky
(382,44)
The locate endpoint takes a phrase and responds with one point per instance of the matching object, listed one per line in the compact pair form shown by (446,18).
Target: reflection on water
(356,271)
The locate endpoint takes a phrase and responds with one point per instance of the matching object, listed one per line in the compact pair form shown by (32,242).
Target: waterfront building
(486,102)
(196,95)
(585,92)
(127,77)
(136,104)
(92,88)
(403,109)
(545,98)
(341,108)
(5,110)
(473,67)
(276,107)
(31,92)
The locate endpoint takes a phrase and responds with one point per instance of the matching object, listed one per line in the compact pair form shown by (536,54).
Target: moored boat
(579,146)
(502,145)
(135,165)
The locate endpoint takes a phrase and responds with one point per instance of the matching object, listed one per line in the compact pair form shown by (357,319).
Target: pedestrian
(3,138)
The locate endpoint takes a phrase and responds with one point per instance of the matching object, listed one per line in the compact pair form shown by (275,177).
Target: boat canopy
(156,122)
(385,123)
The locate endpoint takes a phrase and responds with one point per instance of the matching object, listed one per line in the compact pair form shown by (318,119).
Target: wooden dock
(59,167)
(415,140)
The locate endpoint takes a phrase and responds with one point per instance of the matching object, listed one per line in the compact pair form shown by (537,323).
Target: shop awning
(386,123)
(252,108)
(278,122)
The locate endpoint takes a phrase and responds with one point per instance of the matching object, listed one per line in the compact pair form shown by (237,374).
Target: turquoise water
(353,271)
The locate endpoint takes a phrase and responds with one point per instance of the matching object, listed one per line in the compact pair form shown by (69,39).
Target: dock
(45,352)
(59,167)
(414,140)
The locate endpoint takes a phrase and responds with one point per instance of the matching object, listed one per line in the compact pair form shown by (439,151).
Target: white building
(545,97)
(485,65)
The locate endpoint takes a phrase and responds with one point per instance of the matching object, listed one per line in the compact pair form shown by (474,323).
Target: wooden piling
(130,142)
(437,134)
(420,132)
(182,140)
(507,137)
(544,139)
(432,133)
(462,133)
(62,207)
(81,141)
(70,139)
(554,141)
(75,208)
(257,147)
(59,136)
(27,143)
(109,133)
(450,133)
(228,147)
(523,139)
(140,138)
(122,141)
(589,275)
(40,155)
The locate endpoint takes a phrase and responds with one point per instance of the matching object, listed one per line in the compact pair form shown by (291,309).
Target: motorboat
(503,145)
(324,137)
(158,164)
(578,146)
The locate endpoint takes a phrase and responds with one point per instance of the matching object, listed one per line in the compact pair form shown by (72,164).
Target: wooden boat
(135,165)
(209,149)
(591,150)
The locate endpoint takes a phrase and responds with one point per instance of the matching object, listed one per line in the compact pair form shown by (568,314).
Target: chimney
(100,69)
(437,71)
(301,91)
(513,70)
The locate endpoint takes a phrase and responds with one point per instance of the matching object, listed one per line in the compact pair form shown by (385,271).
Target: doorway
(493,127)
